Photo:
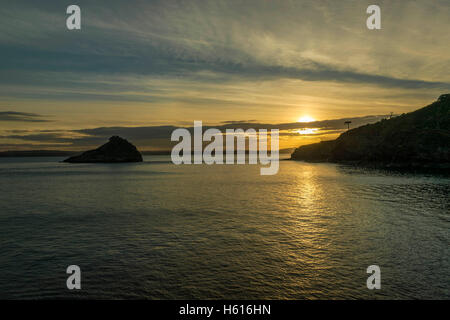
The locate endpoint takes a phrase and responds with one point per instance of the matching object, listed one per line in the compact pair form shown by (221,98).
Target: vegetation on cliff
(415,139)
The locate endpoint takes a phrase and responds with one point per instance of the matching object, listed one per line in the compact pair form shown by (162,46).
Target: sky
(139,69)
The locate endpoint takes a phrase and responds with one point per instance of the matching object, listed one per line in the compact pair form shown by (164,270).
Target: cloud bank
(139,63)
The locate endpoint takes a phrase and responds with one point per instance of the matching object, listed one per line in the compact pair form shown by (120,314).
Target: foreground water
(154,230)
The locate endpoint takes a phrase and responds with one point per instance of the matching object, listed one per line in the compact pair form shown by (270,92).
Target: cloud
(154,61)
(159,136)
(21,116)
(247,59)
(251,40)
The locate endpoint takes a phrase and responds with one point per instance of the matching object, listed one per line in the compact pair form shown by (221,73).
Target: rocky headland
(413,140)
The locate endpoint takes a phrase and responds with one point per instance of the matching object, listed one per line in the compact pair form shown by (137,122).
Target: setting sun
(306,119)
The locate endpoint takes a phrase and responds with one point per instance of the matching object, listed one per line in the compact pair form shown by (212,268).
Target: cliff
(417,139)
(116,150)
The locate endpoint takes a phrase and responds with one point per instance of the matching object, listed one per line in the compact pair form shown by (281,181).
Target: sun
(306,119)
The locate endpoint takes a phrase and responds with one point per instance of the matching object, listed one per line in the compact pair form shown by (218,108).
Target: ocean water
(154,230)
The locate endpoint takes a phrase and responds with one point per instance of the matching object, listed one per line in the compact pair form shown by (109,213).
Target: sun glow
(307,131)
(306,119)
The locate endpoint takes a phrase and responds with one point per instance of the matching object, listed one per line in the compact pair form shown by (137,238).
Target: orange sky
(170,63)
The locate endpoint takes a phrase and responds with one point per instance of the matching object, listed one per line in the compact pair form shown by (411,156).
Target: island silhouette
(116,150)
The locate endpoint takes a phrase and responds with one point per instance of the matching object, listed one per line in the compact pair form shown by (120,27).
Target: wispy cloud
(159,136)
(163,61)
(21,116)
(250,40)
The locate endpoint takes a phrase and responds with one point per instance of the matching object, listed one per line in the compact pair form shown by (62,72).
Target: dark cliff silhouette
(416,139)
(116,150)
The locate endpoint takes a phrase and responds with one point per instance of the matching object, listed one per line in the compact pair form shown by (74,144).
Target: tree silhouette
(348,124)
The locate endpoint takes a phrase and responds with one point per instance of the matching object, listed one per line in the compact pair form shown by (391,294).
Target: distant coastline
(36,153)
(62,153)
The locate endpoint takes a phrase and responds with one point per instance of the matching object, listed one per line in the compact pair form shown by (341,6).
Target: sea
(155,230)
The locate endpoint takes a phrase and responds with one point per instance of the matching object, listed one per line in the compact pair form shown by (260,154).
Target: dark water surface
(159,231)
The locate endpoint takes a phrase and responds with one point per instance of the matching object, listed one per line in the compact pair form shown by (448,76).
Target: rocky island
(419,139)
(115,151)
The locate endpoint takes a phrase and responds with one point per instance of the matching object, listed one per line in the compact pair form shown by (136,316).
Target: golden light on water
(306,119)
